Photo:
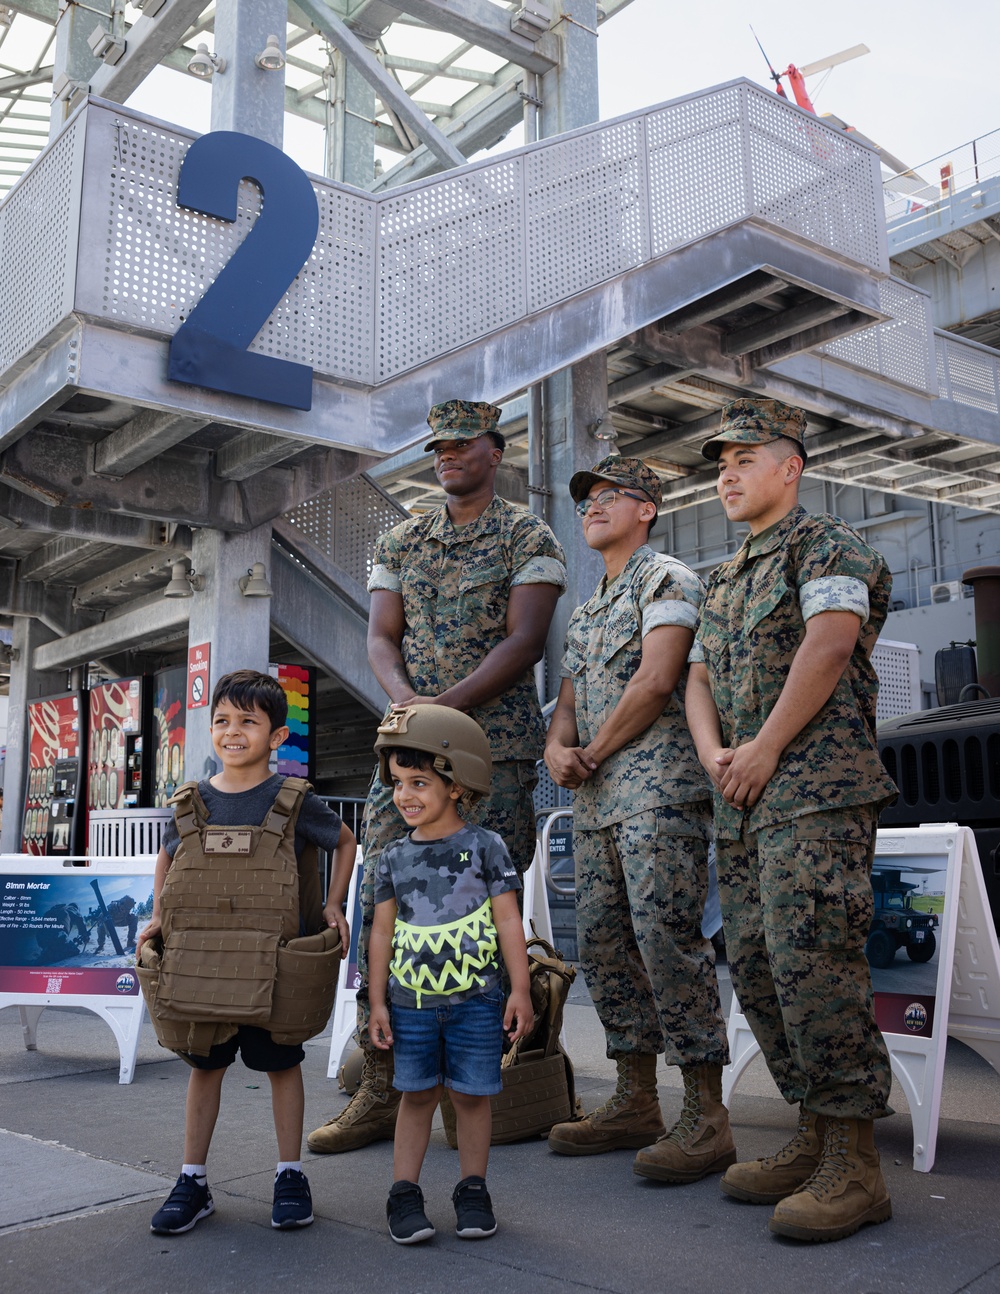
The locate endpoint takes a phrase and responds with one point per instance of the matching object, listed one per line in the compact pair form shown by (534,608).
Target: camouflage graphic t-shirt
(445,942)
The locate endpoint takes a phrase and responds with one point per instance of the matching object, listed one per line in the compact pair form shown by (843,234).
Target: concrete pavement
(87,1161)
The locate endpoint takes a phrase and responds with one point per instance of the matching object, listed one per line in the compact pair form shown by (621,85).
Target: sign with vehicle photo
(67,938)
(929,985)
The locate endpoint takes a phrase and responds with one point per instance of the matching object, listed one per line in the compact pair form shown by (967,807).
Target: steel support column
(245,97)
(26,683)
(237,628)
(576,398)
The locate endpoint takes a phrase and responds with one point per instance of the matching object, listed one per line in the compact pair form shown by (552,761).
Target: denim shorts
(458,1044)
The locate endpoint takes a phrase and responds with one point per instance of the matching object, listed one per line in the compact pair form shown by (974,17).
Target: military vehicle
(897,924)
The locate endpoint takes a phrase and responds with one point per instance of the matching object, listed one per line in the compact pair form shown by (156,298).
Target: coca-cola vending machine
(169,696)
(119,763)
(53,821)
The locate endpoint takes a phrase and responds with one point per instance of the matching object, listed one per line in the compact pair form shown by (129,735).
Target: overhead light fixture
(531,20)
(110,49)
(204,64)
(183,581)
(6,15)
(270,58)
(605,433)
(254,584)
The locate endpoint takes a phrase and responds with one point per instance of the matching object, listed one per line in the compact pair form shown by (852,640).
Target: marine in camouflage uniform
(467,594)
(641,822)
(781,700)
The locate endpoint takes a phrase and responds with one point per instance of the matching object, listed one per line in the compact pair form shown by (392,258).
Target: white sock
(296,1164)
(196,1171)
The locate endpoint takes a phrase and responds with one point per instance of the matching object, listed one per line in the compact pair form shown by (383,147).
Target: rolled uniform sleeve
(696,656)
(385,566)
(541,570)
(675,599)
(834,593)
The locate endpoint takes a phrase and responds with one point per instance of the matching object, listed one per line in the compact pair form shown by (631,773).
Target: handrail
(550,880)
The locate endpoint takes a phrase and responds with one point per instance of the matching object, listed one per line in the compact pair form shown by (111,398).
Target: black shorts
(259,1050)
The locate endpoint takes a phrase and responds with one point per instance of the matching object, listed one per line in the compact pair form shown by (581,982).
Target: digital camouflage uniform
(641,825)
(794,872)
(455,584)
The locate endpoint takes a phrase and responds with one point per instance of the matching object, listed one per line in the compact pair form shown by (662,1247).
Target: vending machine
(53,820)
(119,763)
(169,696)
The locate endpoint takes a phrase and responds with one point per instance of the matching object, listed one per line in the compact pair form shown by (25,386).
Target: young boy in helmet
(445,897)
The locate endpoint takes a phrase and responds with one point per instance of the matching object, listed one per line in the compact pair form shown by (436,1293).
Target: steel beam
(487,25)
(141,439)
(148,43)
(252,452)
(132,628)
(56,560)
(477,127)
(784,323)
(386,87)
(734,296)
(137,575)
(17,509)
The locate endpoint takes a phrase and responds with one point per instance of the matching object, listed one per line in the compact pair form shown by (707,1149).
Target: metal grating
(812,179)
(692,145)
(898,668)
(396,281)
(343,523)
(38,242)
(160,258)
(898,349)
(967,373)
(586,211)
(450,267)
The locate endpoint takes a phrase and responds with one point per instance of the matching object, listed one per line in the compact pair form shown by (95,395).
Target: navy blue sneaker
(293,1205)
(186,1204)
(404,1208)
(474,1218)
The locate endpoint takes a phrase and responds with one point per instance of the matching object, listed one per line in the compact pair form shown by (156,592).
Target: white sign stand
(967,994)
(122,1013)
(536,909)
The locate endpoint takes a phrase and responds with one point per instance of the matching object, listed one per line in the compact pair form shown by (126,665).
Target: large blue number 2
(210,347)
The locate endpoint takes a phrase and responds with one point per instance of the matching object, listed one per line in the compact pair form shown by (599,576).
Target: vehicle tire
(880,949)
(922,952)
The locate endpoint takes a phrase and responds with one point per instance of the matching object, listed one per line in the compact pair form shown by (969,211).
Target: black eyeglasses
(606,500)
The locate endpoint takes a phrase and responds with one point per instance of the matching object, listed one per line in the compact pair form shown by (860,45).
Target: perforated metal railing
(901,348)
(967,373)
(400,279)
(343,523)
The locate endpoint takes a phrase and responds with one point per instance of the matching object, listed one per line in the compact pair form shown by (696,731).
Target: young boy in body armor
(237,874)
(445,896)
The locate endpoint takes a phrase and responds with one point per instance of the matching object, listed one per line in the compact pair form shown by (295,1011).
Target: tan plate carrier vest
(230,952)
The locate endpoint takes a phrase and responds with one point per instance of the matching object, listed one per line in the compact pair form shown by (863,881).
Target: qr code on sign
(54,984)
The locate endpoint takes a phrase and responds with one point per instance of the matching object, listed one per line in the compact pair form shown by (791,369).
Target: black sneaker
(405,1210)
(186,1204)
(473,1209)
(293,1205)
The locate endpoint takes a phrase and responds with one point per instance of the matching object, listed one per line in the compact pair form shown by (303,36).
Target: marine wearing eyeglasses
(641,813)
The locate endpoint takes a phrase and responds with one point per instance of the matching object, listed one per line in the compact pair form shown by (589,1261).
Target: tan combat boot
(631,1118)
(845,1192)
(766,1181)
(701,1141)
(369,1116)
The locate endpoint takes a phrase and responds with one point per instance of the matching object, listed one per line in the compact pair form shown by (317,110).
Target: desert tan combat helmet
(456,741)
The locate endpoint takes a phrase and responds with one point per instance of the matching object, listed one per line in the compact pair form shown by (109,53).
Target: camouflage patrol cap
(457,743)
(632,473)
(757,422)
(461,420)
